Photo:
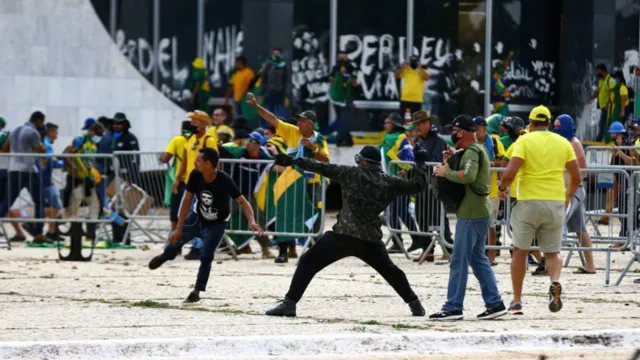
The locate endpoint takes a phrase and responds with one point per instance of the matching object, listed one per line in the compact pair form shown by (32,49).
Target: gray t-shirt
(23,140)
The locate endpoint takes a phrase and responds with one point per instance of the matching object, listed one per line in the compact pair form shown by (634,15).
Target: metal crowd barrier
(619,203)
(257,181)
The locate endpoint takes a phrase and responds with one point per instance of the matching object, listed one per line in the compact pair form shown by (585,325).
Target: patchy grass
(151,304)
(359,329)
(50,276)
(408,327)
(370,322)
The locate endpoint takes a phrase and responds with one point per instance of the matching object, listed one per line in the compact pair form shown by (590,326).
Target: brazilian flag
(295,213)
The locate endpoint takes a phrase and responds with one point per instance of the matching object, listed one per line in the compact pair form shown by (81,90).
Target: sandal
(583,271)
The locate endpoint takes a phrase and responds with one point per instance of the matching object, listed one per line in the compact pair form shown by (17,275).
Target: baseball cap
(309,115)
(3,122)
(255,136)
(540,113)
(410,127)
(464,122)
(479,121)
(88,123)
(396,119)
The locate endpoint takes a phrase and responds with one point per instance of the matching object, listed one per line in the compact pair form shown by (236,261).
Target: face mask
(96,139)
(413,64)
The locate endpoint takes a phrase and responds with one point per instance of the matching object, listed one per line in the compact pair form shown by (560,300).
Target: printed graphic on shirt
(206,206)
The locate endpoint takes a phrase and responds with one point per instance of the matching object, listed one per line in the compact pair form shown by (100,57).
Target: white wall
(57,57)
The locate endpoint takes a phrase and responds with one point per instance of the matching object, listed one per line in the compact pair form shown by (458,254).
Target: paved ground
(117,296)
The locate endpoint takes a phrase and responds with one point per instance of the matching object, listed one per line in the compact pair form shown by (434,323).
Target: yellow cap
(198,63)
(540,113)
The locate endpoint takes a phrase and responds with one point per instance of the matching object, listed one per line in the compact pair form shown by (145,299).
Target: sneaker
(531,260)
(394,248)
(18,238)
(447,315)
(416,308)
(192,299)
(555,303)
(286,308)
(281,259)
(494,312)
(515,308)
(157,261)
(292,253)
(40,239)
(539,271)
(194,254)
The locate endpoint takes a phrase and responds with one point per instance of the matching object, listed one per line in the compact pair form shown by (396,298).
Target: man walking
(213,190)
(23,172)
(472,226)
(541,158)
(576,222)
(605,85)
(366,192)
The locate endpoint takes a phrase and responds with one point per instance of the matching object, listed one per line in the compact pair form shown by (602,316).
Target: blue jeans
(468,250)
(400,211)
(211,234)
(18,180)
(342,124)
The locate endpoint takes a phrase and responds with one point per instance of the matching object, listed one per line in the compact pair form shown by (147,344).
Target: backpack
(450,193)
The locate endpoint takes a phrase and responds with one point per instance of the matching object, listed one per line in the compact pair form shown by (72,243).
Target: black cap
(464,122)
(480,121)
(309,115)
(602,67)
(369,154)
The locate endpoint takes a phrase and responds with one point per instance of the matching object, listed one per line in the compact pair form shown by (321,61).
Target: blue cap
(480,121)
(257,137)
(88,123)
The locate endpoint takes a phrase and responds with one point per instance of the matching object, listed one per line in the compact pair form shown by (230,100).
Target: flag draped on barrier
(295,212)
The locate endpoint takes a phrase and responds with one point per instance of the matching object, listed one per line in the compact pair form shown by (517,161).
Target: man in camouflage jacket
(366,192)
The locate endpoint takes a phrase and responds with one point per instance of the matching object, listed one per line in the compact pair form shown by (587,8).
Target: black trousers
(332,247)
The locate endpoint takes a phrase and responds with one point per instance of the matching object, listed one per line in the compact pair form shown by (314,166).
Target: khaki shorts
(495,207)
(540,219)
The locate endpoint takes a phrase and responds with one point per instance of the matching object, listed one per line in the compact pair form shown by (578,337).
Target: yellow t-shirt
(240,81)
(545,156)
(493,190)
(624,91)
(412,85)
(291,135)
(192,147)
(176,148)
(604,90)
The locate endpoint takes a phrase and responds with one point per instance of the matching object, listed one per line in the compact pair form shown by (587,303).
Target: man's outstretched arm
(331,171)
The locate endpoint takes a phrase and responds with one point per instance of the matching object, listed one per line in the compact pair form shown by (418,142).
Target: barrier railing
(296,199)
(422,215)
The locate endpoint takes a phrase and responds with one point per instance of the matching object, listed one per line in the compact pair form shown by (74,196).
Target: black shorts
(176,199)
(414,106)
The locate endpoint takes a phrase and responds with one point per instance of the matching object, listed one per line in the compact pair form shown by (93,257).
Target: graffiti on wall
(220,48)
(309,68)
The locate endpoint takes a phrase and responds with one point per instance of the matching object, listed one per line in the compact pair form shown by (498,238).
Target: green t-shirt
(4,135)
(476,181)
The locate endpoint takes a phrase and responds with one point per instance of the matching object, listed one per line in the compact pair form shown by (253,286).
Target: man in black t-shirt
(213,190)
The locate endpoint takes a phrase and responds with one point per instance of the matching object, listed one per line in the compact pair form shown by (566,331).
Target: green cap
(410,126)
(3,122)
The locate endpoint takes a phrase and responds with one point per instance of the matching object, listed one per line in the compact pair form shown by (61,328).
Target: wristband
(501,189)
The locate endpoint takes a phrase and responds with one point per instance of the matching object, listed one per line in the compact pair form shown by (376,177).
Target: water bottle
(115,217)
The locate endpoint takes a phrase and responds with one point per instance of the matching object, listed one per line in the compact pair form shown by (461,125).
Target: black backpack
(450,193)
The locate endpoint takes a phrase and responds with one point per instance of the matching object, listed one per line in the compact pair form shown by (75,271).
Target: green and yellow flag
(295,212)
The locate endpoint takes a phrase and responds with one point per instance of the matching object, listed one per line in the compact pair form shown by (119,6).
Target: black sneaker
(194,254)
(286,308)
(394,248)
(515,308)
(494,312)
(541,270)
(416,308)
(447,315)
(283,253)
(192,299)
(157,261)
(18,238)
(555,291)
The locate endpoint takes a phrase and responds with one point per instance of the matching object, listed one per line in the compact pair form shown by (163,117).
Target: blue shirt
(405,151)
(488,144)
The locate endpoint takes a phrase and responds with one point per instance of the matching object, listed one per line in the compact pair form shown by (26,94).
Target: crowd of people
(86,174)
